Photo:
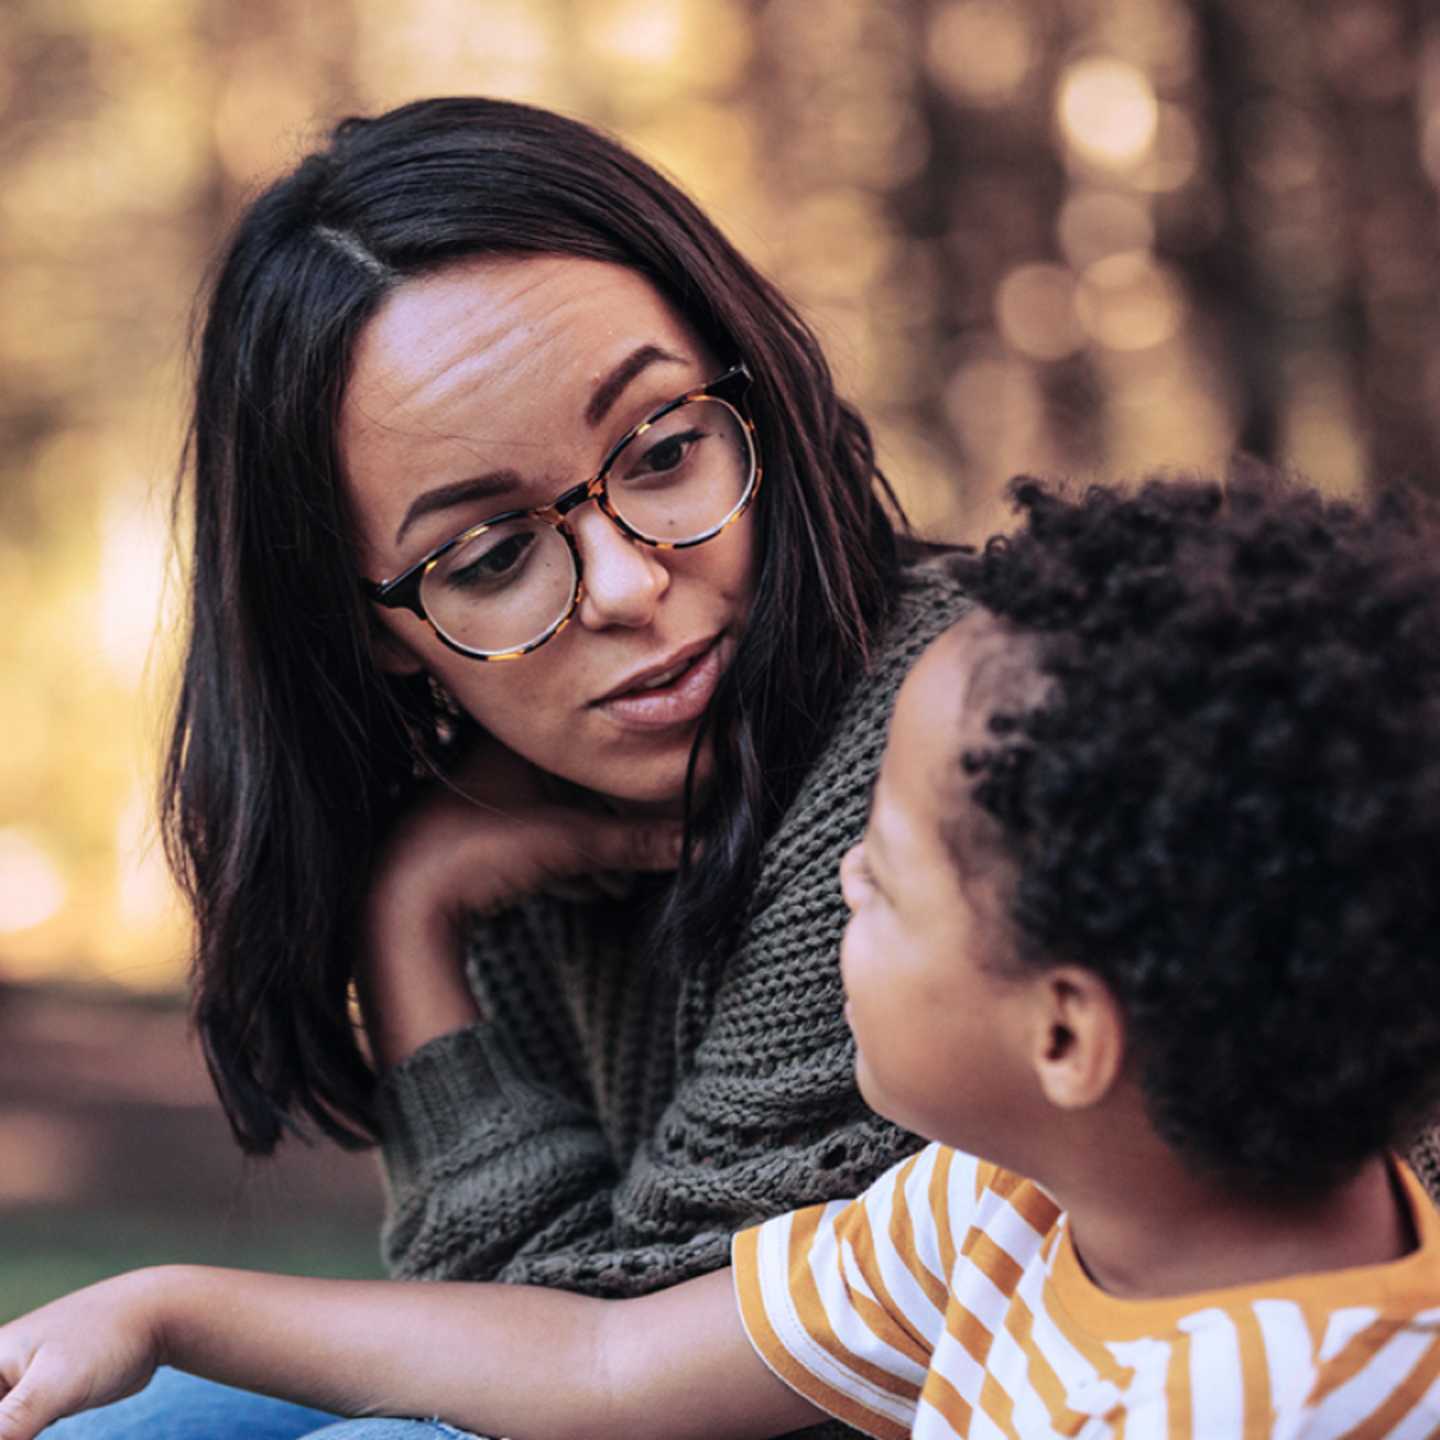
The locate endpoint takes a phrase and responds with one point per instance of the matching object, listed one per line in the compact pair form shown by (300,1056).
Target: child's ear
(1078,1050)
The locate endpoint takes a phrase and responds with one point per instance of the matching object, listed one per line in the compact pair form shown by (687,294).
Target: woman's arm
(490,1131)
(495,1359)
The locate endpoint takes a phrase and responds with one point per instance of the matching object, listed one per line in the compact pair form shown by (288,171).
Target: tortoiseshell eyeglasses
(502,588)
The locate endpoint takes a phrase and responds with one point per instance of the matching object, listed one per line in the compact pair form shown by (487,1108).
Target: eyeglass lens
(506,585)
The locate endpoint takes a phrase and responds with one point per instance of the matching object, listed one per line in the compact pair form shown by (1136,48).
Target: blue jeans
(176,1406)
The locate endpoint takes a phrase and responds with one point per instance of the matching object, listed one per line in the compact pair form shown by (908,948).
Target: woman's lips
(680,701)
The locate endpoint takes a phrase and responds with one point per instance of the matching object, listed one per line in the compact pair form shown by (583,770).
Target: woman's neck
(667,809)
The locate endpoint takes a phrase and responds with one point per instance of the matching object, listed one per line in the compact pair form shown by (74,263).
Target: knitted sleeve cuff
(459,1100)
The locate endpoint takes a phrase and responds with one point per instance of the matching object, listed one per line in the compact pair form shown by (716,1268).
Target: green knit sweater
(608,1127)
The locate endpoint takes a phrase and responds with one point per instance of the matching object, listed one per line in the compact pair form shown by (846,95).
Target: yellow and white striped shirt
(948,1300)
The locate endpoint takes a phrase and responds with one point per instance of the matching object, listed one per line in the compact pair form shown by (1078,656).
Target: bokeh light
(32,888)
(1128,302)
(46,1159)
(1174,156)
(1095,223)
(980,51)
(1035,311)
(1108,111)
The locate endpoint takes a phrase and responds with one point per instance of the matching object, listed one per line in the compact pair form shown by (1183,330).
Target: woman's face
(495,385)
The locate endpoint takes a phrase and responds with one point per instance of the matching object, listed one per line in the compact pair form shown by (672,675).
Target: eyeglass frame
(402,592)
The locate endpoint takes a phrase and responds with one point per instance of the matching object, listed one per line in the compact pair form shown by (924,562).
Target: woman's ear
(1078,1049)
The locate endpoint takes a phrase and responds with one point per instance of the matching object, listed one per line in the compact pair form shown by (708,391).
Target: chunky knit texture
(609,1127)
(1424,1158)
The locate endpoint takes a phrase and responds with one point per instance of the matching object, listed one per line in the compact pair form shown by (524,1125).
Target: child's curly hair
(1228,805)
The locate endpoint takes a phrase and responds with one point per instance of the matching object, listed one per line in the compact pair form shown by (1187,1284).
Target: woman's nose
(624,579)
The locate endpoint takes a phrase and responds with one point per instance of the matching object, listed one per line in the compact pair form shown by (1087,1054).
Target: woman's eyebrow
(498,482)
(442,497)
(609,389)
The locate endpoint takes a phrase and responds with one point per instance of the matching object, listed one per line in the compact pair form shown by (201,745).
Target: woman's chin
(656,790)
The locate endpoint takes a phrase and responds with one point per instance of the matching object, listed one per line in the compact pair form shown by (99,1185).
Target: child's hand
(97,1345)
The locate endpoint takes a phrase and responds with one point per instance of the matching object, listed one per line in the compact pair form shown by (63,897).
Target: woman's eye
(666,455)
(497,563)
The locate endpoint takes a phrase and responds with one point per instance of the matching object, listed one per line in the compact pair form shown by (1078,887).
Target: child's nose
(624,579)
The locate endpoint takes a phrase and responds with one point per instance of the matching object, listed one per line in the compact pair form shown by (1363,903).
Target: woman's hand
(494,834)
(97,1345)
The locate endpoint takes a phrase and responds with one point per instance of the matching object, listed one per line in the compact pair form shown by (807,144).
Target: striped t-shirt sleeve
(846,1301)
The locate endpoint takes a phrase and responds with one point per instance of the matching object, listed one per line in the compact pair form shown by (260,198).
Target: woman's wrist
(412,983)
(398,1032)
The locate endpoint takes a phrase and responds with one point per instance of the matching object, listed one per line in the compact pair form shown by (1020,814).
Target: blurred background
(1080,237)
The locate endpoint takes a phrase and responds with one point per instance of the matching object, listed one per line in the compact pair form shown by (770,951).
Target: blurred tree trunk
(1323,271)
(1392,227)
(988,198)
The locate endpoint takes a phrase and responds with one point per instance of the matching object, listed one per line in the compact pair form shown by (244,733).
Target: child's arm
(498,1359)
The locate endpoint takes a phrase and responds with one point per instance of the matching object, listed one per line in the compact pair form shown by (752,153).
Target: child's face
(938,1031)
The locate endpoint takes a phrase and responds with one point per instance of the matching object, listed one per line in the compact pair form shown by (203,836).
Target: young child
(1144,912)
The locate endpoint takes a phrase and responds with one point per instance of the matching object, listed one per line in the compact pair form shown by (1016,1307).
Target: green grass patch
(43,1256)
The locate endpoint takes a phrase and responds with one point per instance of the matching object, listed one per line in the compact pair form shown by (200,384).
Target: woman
(547,611)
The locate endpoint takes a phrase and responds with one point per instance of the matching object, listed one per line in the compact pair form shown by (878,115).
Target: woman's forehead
(524,328)
(496,366)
